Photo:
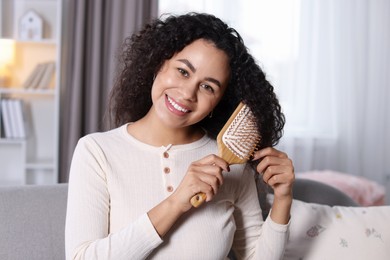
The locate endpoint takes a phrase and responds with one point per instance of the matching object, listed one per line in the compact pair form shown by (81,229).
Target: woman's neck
(153,133)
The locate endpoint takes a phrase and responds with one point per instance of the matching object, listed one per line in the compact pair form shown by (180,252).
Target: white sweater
(115,180)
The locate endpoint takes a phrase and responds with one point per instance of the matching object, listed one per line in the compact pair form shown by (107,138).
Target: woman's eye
(207,88)
(183,72)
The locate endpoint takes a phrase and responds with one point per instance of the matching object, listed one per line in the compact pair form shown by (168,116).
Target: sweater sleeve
(87,232)
(255,238)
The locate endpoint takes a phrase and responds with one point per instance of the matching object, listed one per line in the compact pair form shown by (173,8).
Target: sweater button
(169,188)
(167,170)
(166,155)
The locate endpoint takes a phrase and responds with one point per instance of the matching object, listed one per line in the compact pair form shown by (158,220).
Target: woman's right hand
(204,175)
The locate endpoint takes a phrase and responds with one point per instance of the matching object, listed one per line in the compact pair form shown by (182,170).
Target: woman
(130,188)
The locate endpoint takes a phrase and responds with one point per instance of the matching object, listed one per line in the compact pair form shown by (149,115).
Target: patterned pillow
(323,232)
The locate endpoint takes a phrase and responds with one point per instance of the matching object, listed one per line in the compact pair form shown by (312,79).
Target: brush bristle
(241,137)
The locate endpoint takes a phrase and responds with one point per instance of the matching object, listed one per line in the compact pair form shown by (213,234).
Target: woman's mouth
(176,106)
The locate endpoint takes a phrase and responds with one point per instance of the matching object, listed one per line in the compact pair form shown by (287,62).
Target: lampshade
(7,52)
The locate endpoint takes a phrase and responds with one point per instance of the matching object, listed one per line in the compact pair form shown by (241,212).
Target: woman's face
(190,84)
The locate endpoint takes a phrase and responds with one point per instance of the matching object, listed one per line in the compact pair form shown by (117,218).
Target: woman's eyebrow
(189,65)
(192,68)
(216,82)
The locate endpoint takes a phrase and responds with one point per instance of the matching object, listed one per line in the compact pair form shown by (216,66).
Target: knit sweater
(115,180)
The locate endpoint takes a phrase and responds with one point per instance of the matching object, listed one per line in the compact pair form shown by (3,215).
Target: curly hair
(145,52)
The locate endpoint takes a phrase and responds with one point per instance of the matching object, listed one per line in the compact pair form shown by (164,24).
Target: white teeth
(176,106)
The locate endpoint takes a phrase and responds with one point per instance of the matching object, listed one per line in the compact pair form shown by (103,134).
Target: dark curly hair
(145,52)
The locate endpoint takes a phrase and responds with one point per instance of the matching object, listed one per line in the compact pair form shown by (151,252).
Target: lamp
(7,52)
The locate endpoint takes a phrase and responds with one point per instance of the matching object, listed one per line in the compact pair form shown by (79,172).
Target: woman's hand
(204,175)
(277,171)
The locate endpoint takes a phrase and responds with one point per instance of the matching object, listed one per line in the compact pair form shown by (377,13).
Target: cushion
(365,192)
(323,232)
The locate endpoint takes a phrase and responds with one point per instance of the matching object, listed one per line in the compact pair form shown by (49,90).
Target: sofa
(33,217)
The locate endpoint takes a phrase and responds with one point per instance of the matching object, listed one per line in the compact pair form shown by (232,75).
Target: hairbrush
(237,141)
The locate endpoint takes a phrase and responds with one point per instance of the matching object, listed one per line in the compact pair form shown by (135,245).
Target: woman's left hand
(277,171)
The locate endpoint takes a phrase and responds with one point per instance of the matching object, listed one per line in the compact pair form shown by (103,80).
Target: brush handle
(198,199)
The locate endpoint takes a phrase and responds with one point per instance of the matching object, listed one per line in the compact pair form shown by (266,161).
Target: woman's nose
(190,91)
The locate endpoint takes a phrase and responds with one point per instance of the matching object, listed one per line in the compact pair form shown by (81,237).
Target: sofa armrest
(33,221)
(321,193)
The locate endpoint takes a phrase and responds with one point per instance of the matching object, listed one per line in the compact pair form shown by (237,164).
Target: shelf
(48,41)
(12,141)
(15,90)
(40,165)
(43,41)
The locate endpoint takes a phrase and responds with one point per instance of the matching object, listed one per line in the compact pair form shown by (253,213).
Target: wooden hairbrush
(236,141)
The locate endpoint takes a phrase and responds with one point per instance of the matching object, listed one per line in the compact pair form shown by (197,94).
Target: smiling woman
(130,188)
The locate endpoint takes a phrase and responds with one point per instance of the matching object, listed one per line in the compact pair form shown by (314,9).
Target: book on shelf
(1,122)
(47,76)
(13,118)
(32,77)
(17,105)
(12,111)
(41,77)
(6,119)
